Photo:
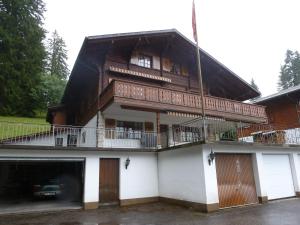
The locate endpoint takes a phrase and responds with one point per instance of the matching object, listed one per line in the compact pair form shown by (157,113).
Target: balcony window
(145,61)
(175,69)
(187,134)
(129,130)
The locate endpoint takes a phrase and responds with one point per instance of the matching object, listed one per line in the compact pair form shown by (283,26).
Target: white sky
(248,36)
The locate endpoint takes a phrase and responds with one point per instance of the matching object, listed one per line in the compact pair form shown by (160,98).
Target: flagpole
(199,71)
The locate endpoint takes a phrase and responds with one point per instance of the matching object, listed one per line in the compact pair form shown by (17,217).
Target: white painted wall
(259,177)
(140,179)
(90,134)
(181,176)
(91,179)
(295,167)
(122,143)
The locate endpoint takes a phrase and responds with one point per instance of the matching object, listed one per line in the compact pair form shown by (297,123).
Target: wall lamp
(211,157)
(127,162)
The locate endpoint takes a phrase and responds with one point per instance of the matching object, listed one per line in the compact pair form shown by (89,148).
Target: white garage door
(278,176)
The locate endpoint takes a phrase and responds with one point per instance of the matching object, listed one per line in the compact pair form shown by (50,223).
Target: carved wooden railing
(214,106)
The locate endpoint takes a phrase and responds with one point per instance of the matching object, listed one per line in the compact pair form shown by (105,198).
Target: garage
(236,184)
(27,184)
(278,176)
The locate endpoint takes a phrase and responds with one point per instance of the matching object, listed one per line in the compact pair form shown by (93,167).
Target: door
(278,176)
(236,185)
(109,181)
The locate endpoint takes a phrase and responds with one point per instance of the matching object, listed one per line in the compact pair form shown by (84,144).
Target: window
(175,69)
(129,130)
(145,61)
(59,141)
(187,134)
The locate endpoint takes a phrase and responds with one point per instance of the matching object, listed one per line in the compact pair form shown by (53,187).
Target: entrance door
(109,181)
(236,185)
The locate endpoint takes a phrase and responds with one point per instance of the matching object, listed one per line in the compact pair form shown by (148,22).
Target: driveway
(284,212)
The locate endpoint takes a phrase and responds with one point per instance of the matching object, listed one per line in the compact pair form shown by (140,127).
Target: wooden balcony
(148,97)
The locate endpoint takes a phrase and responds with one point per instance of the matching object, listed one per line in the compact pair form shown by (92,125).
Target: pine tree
(54,80)
(290,71)
(22,55)
(254,85)
(57,57)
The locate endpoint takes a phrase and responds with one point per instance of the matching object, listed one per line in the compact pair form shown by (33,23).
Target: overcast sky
(248,36)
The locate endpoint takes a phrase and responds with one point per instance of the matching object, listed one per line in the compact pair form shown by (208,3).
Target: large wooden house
(147,82)
(129,130)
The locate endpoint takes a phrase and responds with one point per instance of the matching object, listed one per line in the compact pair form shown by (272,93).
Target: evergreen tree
(57,53)
(54,80)
(290,71)
(51,90)
(22,55)
(254,85)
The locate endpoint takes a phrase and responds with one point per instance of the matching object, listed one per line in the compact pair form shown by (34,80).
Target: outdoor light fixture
(211,157)
(127,162)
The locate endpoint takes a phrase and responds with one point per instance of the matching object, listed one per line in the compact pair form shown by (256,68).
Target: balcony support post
(158,129)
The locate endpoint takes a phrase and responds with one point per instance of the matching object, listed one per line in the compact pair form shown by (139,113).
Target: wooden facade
(162,99)
(283,113)
(168,80)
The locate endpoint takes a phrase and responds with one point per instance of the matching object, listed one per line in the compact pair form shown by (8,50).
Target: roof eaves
(278,94)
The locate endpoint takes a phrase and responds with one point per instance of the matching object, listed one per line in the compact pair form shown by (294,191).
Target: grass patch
(13,119)
(19,126)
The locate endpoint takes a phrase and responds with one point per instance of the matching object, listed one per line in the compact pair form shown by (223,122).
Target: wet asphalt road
(284,212)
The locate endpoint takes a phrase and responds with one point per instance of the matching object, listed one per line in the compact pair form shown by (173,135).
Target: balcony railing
(133,94)
(137,139)
(190,132)
(73,136)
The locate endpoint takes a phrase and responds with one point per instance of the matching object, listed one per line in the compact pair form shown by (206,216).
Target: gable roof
(278,94)
(243,92)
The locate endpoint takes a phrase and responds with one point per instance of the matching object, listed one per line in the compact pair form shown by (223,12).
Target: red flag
(194,25)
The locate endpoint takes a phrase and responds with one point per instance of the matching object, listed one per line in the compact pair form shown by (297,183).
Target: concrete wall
(90,134)
(180,175)
(184,174)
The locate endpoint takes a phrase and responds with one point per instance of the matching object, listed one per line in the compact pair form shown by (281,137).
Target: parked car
(47,191)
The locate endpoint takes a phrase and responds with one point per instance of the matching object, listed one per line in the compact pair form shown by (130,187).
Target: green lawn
(19,126)
(14,119)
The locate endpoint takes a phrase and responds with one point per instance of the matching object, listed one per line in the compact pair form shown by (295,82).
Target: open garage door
(28,184)
(278,176)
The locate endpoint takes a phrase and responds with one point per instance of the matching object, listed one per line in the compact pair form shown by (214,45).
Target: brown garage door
(235,177)
(109,181)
